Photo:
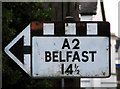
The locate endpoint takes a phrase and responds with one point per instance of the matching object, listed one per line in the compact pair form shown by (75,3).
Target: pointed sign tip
(15,49)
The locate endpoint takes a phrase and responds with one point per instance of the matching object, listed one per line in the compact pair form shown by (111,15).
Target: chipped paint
(36,26)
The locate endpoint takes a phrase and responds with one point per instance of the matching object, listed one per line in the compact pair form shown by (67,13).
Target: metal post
(62,83)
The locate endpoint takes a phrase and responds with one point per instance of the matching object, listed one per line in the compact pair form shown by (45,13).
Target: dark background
(15,17)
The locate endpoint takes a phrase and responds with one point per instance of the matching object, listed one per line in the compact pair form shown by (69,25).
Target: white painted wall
(86,18)
(113,53)
(111,11)
(98,16)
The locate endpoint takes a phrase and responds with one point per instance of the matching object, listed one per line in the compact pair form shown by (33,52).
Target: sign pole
(62,83)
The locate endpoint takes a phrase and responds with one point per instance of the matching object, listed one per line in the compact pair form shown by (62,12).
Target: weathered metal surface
(49,55)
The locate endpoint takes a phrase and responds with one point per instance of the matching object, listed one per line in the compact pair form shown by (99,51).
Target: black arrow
(19,50)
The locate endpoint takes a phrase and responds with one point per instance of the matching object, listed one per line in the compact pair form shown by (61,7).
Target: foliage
(15,17)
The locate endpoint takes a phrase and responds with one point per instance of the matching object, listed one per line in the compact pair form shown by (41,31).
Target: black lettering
(47,56)
(60,55)
(77,69)
(84,55)
(77,44)
(92,55)
(62,68)
(69,69)
(55,55)
(76,57)
(66,44)
(68,55)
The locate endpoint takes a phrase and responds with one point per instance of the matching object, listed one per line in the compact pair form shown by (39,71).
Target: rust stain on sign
(36,26)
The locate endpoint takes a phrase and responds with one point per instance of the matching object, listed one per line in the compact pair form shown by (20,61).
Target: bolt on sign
(63,49)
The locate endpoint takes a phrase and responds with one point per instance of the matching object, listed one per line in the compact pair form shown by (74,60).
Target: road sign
(63,49)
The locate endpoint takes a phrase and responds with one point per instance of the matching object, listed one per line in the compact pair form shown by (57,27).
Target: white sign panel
(63,49)
(70,56)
